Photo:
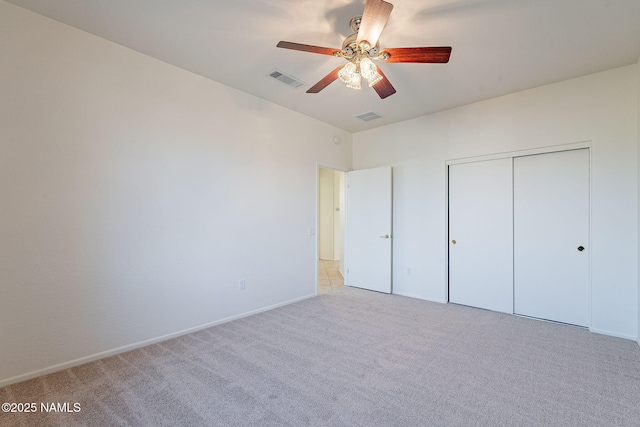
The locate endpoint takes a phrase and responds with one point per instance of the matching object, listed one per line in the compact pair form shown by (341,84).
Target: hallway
(329,276)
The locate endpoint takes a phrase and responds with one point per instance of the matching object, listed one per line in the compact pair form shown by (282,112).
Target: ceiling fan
(362,47)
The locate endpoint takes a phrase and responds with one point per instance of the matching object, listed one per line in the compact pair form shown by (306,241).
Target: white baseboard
(129,347)
(410,295)
(613,334)
(594,330)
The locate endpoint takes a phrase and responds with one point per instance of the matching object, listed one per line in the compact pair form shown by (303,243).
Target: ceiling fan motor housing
(355,23)
(351,50)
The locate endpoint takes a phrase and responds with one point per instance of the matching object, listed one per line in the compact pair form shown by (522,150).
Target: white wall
(638,74)
(136,195)
(600,108)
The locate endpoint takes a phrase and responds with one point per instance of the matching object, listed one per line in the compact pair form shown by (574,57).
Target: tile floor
(329,276)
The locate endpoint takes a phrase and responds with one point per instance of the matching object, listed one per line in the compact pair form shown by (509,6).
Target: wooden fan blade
(419,54)
(384,87)
(307,48)
(326,81)
(374,18)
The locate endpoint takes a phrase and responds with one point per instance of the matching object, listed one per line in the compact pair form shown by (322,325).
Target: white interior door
(481,234)
(368,225)
(551,211)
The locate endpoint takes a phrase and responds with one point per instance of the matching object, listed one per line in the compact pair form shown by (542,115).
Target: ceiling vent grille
(367,117)
(286,79)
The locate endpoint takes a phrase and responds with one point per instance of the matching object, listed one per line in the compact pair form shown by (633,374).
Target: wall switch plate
(408,271)
(241,284)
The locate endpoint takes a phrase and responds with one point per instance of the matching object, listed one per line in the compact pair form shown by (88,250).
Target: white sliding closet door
(551,230)
(481,234)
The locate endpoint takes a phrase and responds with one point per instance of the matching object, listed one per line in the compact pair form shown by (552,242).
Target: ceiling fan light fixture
(352,73)
(369,71)
(350,76)
(377,78)
(354,83)
(347,71)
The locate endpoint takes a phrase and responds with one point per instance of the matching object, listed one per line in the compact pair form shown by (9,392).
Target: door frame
(521,153)
(322,165)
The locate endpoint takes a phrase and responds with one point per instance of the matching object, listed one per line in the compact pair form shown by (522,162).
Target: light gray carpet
(355,358)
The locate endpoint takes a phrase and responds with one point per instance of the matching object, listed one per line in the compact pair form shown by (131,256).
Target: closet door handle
(581,248)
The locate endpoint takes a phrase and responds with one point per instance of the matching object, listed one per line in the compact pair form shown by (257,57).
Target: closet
(519,235)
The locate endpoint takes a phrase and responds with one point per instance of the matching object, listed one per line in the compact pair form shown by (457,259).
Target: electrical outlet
(241,284)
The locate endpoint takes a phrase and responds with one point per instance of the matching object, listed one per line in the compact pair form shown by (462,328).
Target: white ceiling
(499,46)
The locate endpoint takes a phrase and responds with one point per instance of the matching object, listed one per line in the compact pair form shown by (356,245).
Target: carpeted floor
(354,358)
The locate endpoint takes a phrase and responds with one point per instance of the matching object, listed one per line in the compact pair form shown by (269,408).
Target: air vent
(367,117)
(286,79)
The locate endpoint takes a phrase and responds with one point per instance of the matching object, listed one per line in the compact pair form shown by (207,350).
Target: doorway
(331,208)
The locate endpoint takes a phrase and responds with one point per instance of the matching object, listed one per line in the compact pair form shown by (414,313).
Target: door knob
(386,236)
(453,242)
(581,248)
